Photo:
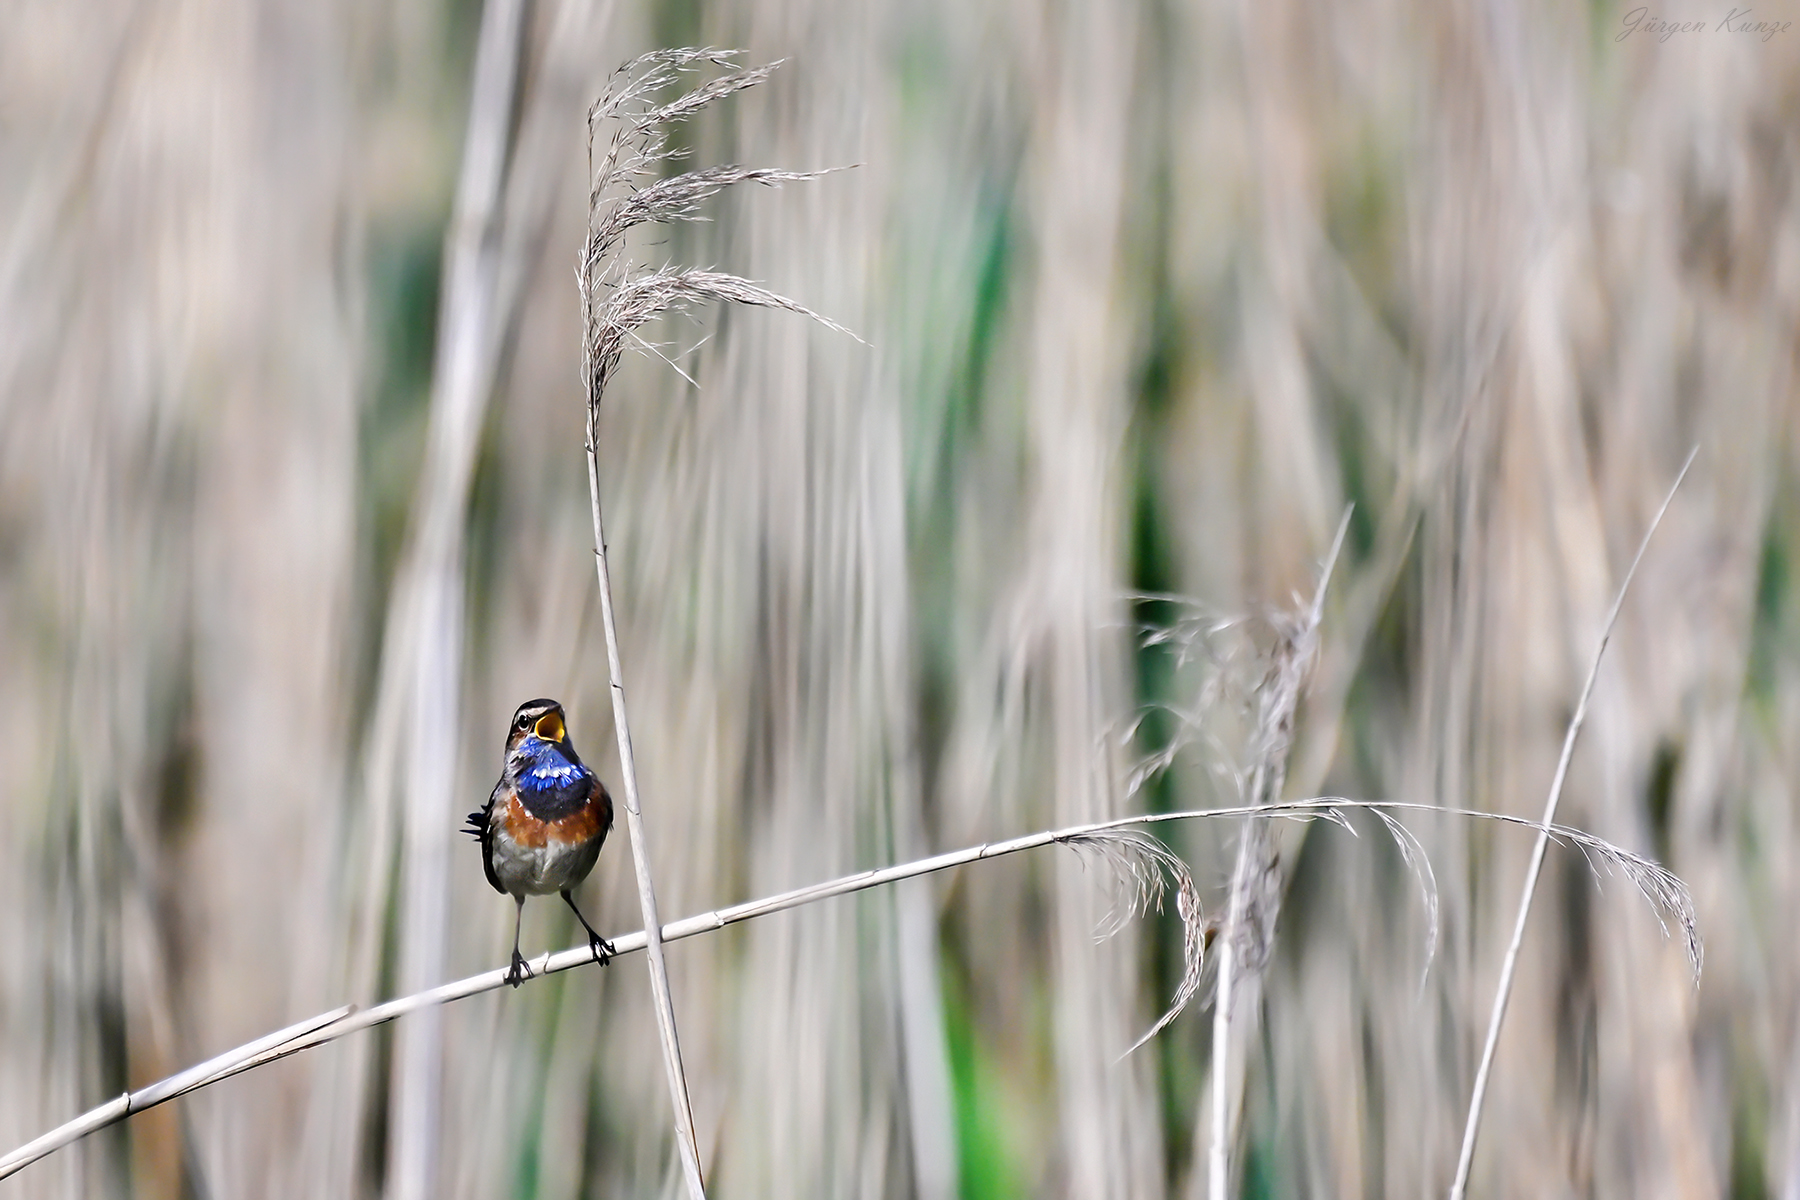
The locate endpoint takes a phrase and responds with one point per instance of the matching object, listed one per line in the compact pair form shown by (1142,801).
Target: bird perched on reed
(543,826)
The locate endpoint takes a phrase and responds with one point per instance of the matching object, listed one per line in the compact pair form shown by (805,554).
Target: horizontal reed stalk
(1658,885)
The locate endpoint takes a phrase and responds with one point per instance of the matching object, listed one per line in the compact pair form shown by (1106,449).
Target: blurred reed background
(1152,290)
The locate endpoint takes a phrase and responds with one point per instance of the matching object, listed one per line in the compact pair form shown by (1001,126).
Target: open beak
(550,727)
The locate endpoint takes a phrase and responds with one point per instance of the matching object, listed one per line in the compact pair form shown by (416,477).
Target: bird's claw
(603,949)
(520,970)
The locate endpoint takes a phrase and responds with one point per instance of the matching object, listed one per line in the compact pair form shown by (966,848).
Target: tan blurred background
(1152,291)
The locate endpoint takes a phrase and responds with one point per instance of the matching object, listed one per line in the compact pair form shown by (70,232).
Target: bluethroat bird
(545,822)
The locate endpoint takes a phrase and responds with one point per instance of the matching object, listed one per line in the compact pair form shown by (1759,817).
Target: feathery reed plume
(1412,853)
(1248,925)
(1503,992)
(1197,636)
(1194,637)
(637,149)
(1143,862)
(616,300)
(1142,870)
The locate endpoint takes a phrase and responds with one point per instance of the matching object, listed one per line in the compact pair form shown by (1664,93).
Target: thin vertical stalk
(470,334)
(1243,926)
(615,302)
(1503,993)
(662,998)
(1218,1159)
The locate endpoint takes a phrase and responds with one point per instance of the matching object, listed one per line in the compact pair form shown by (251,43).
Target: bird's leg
(519,972)
(603,949)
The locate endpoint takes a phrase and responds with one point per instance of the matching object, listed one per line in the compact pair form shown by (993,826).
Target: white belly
(544,870)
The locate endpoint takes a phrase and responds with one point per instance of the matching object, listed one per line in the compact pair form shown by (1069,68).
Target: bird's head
(541,720)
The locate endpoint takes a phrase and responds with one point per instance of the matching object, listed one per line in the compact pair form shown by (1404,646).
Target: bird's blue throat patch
(546,769)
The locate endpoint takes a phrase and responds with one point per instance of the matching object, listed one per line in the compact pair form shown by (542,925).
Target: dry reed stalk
(513,163)
(468,348)
(1249,922)
(180,1084)
(662,998)
(616,301)
(1145,869)
(1503,992)
(1662,204)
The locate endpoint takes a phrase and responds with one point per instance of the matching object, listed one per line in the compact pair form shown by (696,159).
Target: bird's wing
(481,828)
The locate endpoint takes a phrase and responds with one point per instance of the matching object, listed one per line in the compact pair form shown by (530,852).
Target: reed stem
(1509,965)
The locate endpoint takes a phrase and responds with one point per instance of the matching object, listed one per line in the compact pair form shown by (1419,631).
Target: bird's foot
(519,971)
(603,949)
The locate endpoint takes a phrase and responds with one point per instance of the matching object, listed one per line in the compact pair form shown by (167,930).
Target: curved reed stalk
(1138,857)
